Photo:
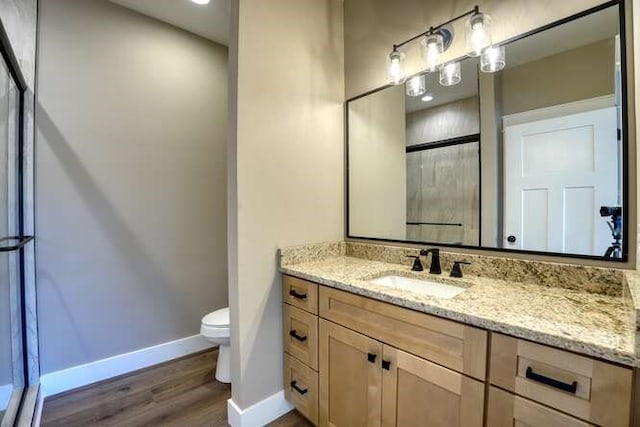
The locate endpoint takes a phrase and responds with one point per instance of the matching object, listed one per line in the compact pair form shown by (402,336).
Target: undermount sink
(419,286)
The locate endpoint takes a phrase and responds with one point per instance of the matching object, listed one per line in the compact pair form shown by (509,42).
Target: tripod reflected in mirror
(615,225)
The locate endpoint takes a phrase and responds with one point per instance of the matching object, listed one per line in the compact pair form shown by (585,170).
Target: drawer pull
(386,364)
(570,388)
(294,385)
(295,294)
(295,335)
(371,357)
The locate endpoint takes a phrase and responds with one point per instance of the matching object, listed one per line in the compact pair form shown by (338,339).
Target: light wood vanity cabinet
(360,362)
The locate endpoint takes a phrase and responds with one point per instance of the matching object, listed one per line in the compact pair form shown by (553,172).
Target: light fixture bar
(431,30)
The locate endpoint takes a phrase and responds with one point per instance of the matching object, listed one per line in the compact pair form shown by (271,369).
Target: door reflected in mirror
(529,158)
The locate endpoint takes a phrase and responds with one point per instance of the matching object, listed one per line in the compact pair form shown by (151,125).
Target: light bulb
(427,98)
(492,59)
(395,68)
(416,85)
(450,74)
(478,33)
(432,48)
(201,1)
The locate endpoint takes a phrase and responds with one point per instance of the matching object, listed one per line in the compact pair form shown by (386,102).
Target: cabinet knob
(386,364)
(371,357)
(511,239)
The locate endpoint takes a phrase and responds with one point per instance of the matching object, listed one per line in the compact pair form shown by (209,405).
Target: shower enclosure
(13,241)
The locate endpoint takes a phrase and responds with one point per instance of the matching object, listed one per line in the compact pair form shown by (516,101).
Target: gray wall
(286,171)
(131,181)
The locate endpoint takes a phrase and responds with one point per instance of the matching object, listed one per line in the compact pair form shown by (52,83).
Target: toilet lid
(217,319)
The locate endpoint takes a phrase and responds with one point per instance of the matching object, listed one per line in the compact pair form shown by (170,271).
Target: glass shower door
(12,366)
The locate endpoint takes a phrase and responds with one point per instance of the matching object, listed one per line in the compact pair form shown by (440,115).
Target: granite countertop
(589,323)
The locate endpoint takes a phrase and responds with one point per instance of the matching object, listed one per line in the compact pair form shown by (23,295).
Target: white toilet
(215,328)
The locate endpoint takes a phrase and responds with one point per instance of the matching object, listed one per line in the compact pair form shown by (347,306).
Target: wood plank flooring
(181,393)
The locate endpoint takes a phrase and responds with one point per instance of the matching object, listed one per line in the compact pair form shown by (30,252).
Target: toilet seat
(217,319)
(216,324)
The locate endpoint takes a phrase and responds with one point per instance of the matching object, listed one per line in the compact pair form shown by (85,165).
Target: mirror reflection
(526,158)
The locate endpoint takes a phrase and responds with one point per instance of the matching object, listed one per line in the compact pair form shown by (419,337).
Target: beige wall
(378,165)
(575,75)
(131,165)
(286,172)
(373,26)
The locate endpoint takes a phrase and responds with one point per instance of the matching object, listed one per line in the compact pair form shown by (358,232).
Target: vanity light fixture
(395,67)
(416,85)
(427,98)
(201,1)
(450,74)
(436,40)
(478,33)
(492,59)
(432,49)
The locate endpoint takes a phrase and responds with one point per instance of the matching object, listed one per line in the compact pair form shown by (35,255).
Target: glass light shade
(478,33)
(416,85)
(395,68)
(492,59)
(450,74)
(432,48)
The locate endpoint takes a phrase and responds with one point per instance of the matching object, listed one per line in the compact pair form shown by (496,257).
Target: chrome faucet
(435,260)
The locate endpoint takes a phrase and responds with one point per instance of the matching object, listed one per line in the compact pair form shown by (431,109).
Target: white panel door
(557,174)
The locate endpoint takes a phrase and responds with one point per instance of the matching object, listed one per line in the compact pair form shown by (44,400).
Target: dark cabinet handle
(295,335)
(371,357)
(294,385)
(294,294)
(386,364)
(511,239)
(571,388)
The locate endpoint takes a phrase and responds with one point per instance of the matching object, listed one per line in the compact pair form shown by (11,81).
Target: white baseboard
(258,414)
(78,376)
(5,395)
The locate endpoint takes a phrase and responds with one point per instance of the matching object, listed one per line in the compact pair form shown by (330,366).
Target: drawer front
(301,388)
(301,335)
(508,410)
(594,391)
(300,293)
(451,344)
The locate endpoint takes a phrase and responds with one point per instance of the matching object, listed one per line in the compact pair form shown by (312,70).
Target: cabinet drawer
(451,344)
(300,293)
(301,388)
(301,335)
(508,410)
(594,391)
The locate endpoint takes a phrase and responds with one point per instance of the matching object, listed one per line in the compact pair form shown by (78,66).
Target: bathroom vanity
(501,352)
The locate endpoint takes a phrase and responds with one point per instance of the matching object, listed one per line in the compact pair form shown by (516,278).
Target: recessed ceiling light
(427,98)
(201,1)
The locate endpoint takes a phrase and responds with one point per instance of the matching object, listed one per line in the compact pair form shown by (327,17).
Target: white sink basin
(425,287)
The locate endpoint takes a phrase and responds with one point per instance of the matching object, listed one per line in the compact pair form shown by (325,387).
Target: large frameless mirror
(528,158)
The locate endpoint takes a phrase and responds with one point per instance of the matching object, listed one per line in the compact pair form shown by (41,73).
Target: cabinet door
(350,377)
(416,392)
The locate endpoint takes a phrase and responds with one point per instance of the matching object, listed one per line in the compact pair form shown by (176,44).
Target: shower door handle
(20,241)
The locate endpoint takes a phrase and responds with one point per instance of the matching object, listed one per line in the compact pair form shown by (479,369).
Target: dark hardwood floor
(181,393)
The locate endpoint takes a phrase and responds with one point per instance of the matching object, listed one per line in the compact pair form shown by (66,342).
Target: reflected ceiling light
(450,74)
(492,59)
(201,1)
(427,98)
(478,33)
(395,67)
(432,48)
(416,85)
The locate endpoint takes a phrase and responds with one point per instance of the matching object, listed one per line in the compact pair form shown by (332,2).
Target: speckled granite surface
(590,323)
(607,281)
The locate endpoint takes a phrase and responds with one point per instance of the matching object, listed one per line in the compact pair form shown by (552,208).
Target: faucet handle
(417,264)
(456,270)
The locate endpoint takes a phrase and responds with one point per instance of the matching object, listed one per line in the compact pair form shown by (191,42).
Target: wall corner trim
(104,369)
(260,413)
